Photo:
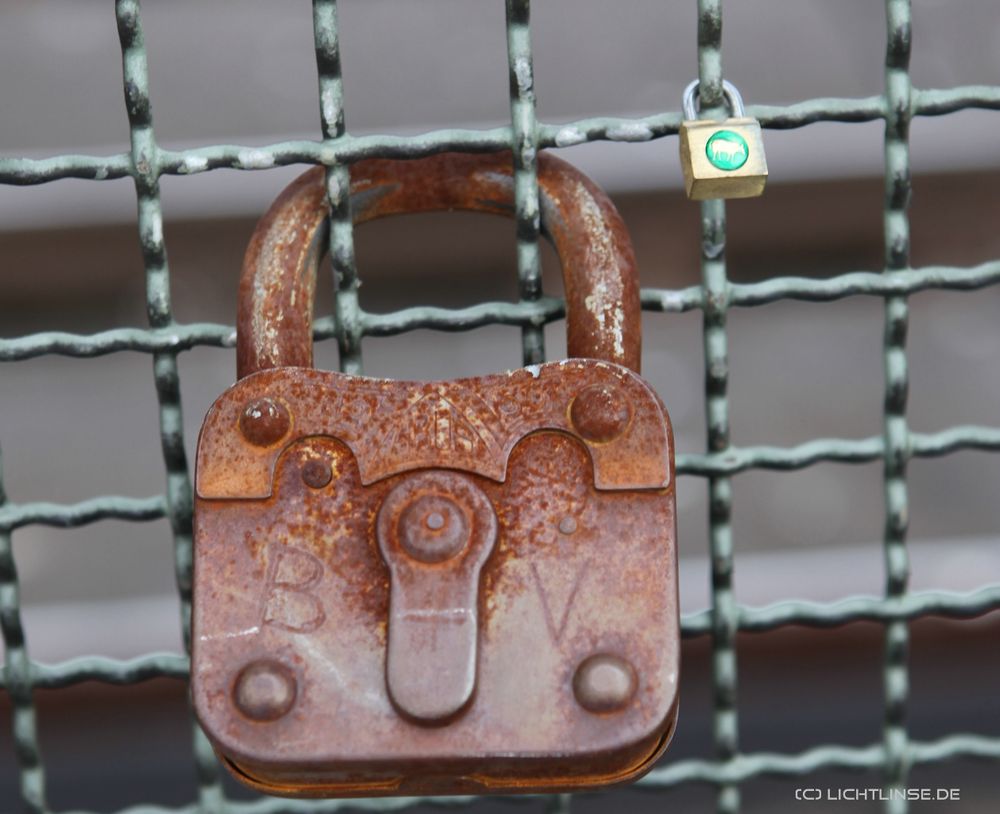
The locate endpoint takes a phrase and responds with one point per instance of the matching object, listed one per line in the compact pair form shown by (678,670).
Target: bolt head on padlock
(721,159)
(436,587)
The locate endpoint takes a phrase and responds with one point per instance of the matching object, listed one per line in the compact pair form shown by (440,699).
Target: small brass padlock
(721,159)
(436,587)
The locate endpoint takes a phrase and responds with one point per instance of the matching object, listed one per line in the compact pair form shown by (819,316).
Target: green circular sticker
(727,150)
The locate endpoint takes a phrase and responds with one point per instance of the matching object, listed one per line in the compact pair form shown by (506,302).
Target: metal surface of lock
(436,587)
(721,159)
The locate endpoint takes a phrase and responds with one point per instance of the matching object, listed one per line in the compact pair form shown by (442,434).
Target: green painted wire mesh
(165,339)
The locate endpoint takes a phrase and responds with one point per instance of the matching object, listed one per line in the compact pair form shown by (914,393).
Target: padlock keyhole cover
(435,532)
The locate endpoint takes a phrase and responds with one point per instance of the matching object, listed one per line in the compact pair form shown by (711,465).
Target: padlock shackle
(274,320)
(729,93)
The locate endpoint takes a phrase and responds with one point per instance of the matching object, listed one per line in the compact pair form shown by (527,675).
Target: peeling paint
(336,189)
(604,302)
(672,301)
(329,106)
(569,136)
(630,131)
(152,234)
(256,159)
(522,74)
(192,164)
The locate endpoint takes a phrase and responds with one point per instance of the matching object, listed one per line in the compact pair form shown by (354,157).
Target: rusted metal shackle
(436,587)
(274,322)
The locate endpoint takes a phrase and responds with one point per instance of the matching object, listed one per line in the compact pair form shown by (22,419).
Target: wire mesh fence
(164,339)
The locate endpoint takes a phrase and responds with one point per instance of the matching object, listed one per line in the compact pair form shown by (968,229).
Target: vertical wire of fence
(715,285)
(17,674)
(524,143)
(895,428)
(164,339)
(145,170)
(338,186)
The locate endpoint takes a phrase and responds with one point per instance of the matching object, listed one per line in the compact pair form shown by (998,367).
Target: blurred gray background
(244,73)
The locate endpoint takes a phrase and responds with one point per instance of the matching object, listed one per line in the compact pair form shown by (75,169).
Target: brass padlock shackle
(274,321)
(729,93)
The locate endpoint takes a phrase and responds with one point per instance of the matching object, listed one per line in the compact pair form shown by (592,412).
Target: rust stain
(414,587)
(274,318)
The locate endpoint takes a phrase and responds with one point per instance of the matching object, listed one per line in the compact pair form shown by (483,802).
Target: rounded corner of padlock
(205,717)
(624,764)
(632,760)
(214,718)
(261,781)
(211,721)
(244,432)
(246,763)
(656,746)
(254,782)
(624,426)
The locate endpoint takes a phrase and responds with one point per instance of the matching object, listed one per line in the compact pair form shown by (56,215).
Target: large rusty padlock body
(435,587)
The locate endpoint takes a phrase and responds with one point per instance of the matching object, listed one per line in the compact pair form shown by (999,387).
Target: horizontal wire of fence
(925,102)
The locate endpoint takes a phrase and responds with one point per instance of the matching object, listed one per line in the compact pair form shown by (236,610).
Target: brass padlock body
(704,180)
(576,605)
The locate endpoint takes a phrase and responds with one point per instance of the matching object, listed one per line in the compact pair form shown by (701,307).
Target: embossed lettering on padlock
(436,587)
(721,159)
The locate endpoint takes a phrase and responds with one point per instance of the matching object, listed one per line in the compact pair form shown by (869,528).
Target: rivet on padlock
(721,159)
(436,587)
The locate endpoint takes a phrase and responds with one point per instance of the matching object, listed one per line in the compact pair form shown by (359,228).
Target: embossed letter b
(288,602)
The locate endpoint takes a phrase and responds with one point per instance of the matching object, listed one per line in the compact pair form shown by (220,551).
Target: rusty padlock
(436,587)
